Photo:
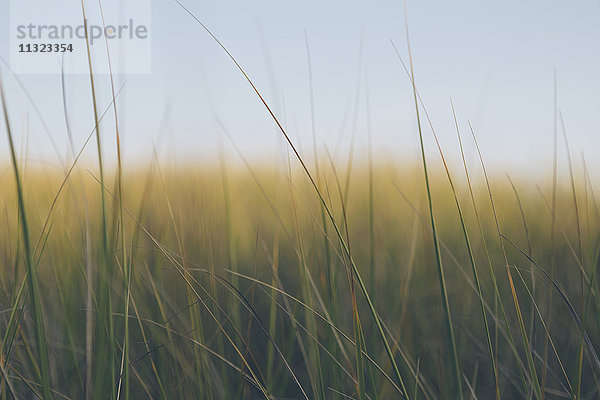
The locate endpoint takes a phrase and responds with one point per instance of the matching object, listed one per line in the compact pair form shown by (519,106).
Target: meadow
(305,277)
(258,281)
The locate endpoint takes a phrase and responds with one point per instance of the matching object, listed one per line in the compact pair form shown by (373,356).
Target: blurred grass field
(299,277)
(240,287)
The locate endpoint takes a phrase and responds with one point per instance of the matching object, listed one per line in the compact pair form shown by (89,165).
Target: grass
(332,281)
(183,336)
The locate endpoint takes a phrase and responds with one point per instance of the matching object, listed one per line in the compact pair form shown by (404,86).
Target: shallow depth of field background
(354,236)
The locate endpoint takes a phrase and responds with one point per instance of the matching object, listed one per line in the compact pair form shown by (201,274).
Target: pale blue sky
(494,59)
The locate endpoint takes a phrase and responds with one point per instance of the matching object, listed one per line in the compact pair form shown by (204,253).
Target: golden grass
(184,339)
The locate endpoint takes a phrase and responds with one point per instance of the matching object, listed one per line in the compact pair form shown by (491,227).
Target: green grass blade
(34,295)
(444,292)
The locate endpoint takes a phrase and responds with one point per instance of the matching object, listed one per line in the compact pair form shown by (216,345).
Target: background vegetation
(303,278)
(236,284)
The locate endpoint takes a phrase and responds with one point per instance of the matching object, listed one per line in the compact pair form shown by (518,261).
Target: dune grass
(317,278)
(287,341)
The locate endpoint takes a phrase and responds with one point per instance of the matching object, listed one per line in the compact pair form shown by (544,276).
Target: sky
(495,60)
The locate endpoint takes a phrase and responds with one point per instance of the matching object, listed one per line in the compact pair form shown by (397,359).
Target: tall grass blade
(361,283)
(440,267)
(32,280)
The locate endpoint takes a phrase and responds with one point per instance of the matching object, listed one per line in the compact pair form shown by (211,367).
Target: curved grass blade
(321,198)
